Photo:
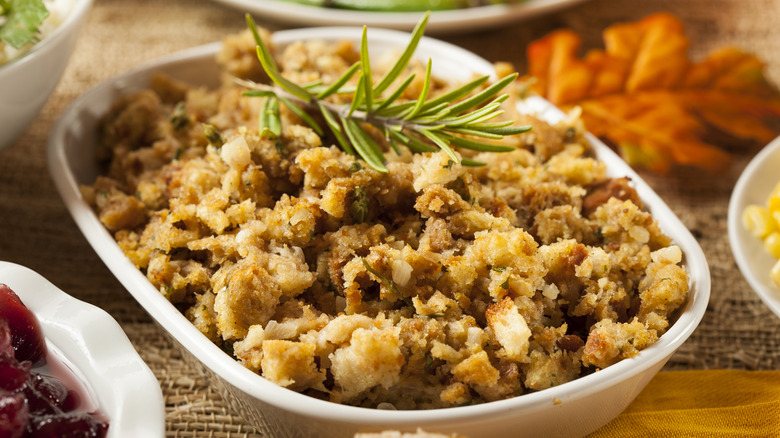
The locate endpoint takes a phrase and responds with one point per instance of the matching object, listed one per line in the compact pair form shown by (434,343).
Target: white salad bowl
(26,82)
(92,347)
(753,188)
(572,409)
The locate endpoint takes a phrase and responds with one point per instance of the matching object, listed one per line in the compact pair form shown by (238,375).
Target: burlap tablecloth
(738,331)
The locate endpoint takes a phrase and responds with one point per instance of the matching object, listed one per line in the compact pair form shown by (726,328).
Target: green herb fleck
(179,118)
(213,136)
(354,167)
(449,164)
(387,283)
(459,186)
(167,291)
(432,315)
(360,203)
(280,148)
(499,268)
(505,284)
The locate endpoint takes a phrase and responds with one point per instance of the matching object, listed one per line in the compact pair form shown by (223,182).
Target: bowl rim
(441,21)
(71,24)
(254,385)
(93,347)
(747,249)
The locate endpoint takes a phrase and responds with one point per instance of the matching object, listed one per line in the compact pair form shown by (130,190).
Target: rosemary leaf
(269,124)
(403,60)
(386,130)
(365,68)
(340,82)
(412,143)
(440,142)
(475,133)
(492,125)
(335,128)
(386,102)
(395,110)
(483,96)
(487,112)
(458,93)
(466,143)
(504,130)
(312,85)
(364,144)
(269,65)
(437,112)
(472,163)
(423,94)
(258,93)
(302,114)
(358,97)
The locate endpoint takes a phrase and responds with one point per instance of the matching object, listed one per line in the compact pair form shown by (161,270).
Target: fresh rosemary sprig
(459,118)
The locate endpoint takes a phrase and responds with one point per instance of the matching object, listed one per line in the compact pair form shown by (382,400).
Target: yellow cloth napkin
(711,403)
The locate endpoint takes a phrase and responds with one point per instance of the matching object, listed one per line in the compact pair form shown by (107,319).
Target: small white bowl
(92,346)
(755,184)
(572,409)
(27,82)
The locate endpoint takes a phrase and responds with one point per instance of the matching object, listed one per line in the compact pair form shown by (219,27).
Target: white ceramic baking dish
(572,409)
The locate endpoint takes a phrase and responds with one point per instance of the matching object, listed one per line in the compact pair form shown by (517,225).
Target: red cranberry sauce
(34,404)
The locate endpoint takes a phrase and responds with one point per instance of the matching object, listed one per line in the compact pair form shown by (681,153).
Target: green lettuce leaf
(22,18)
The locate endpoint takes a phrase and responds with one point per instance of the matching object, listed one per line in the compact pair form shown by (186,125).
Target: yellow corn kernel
(775,193)
(774,274)
(757,220)
(773,204)
(772,244)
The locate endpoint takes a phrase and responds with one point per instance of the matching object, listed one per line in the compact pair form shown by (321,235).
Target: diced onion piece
(402,272)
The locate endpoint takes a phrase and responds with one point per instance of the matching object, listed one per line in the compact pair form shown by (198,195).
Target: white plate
(449,21)
(753,187)
(569,410)
(91,345)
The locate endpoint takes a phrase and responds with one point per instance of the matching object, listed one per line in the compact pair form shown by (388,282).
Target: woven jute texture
(36,231)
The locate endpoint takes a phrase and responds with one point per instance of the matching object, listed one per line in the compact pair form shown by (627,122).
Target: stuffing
(372,358)
(432,285)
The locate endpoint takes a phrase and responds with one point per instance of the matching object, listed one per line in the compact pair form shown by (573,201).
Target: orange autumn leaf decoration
(643,95)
